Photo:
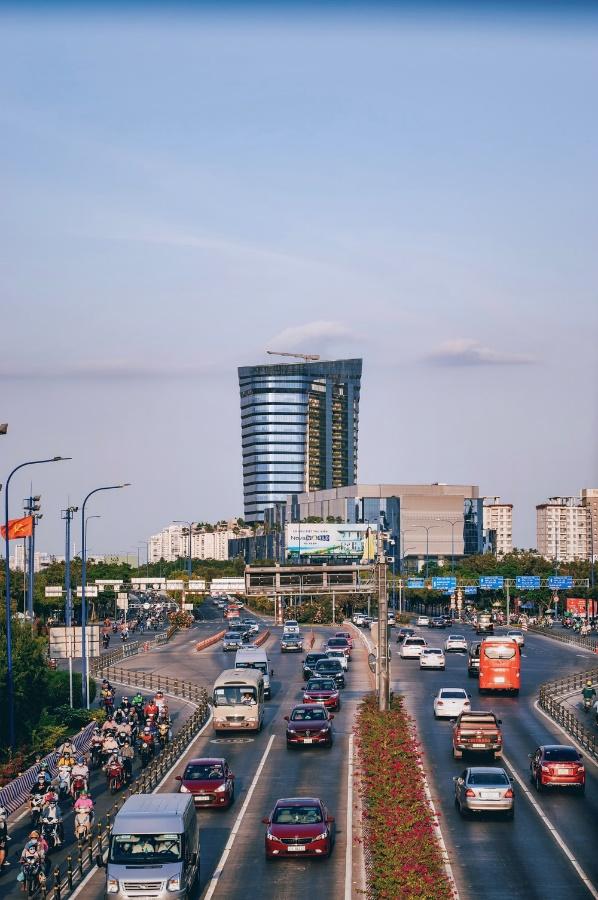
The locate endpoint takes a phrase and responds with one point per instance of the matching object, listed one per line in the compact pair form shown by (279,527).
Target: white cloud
(467,352)
(319,336)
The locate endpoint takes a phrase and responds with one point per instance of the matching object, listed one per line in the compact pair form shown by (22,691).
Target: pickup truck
(477,732)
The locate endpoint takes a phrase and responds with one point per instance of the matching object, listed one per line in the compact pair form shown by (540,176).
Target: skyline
(181,195)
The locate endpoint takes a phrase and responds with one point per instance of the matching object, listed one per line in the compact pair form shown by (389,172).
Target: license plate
(307,741)
(499,679)
(478,746)
(202,797)
(295,848)
(487,795)
(563,772)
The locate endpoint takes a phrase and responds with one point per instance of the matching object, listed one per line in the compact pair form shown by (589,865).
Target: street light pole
(84,667)
(383,662)
(452,524)
(10,687)
(67,515)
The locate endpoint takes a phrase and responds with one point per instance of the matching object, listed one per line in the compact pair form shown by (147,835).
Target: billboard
(577,606)
(65,641)
(353,540)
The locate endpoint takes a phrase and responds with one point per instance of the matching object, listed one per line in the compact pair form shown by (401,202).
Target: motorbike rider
(96,738)
(80,770)
(109,746)
(150,709)
(84,802)
(160,699)
(146,738)
(52,817)
(125,705)
(137,701)
(109,725)
(45,771)
(588,693)
(3,835)
(33,854)
(127,755)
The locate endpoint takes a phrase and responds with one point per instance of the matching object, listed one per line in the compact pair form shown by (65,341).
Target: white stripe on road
(349,828)
(538,809)
(236,827)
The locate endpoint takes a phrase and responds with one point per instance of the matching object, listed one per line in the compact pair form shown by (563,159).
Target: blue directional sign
(416,582)
(560,582)
(444,584)
(527,582)
(470,589)
(492,582)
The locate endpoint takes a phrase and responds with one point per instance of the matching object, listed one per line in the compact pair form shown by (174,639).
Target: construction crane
(306,357)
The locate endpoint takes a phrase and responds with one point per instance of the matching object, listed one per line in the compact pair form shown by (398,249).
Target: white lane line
(349,827)
(538,809)
(236,827)
(581,749)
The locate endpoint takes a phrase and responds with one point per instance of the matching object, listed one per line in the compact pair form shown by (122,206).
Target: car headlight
(324,730)
(220,789)
(174,883)
(184,790)
(112,886)
(272,837)
(291,730)
(321,837)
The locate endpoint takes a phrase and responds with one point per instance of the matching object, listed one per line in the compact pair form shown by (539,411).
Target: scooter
(96,751)
(587,704)
(33,876)
(146,752)
(78,784)
(115,774)
(36,809)
(82,825)
(51,834)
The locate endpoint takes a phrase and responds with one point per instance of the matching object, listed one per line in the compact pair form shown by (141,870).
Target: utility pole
(383,661)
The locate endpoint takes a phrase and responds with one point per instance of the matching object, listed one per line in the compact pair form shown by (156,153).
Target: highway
(490,857)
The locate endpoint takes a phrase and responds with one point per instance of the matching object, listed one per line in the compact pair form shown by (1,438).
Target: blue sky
(181,192)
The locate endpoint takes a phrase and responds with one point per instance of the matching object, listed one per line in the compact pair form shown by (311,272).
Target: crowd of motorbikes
(144,622)
(136,726)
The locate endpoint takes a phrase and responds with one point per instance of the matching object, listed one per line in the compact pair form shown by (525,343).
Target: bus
(256,658)
(238,701)
(500,665)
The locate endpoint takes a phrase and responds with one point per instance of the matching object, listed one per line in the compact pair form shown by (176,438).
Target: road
(493,858)
(311,772)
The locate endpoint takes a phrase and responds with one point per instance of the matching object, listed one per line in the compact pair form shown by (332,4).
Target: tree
(30,675)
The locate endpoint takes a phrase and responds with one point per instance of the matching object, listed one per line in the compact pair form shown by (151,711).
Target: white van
(256,658)
(291,626)
(238,700)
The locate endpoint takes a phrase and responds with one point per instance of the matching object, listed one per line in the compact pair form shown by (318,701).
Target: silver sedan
(484,789)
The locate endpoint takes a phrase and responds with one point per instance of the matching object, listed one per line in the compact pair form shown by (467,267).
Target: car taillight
(469,793)
(466,703)
(440,703)
(509,792)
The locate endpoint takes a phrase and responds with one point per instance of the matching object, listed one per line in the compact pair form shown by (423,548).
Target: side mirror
(330,820)
(331,716)
(210,701)
(178,777)
(499,721)
(266,820)
(286,718)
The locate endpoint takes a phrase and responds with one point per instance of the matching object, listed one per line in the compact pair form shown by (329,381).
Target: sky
(180,193)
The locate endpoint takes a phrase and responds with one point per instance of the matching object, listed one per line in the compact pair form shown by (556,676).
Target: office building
(498,525)
(41,560)
(299,428)
(564,529)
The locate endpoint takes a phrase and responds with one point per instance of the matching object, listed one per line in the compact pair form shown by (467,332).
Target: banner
(18,528)
(356,541)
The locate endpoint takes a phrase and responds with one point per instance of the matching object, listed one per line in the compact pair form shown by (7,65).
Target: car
(347,636)
(291,643)
(437,622)
(252,625)
(232,640)
(210,781)
(557,765)
(330,668)
(338,643)
(299,826)
(243,630)
(358,618)
(481,789)
(517,636)
(432,658)
(309,663)
(324,691)
(340,655)
(423,621)
(477,731)
(450,702)
(291,626)
(309,724)
(412,647)
(392,619)
(455,643)
(473,659)
(403,633)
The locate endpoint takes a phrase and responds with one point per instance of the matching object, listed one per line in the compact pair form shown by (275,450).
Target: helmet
(159,693)
(41,777)
(104,681)
(588,683)
(80,760)
(146,730)
(44,767)
(34,836)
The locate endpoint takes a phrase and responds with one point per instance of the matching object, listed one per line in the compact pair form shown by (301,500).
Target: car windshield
(129,849)
(488,779)
(260,666)
(297,815)
(234,695)
(415,642)
(308,715)
(330,665)
(321,684)
(291,638)
(432,650)
(203,772)
(337,642)
(456,637)
(500,651)
(313,658)
(453,695)
(514,634)
(231,636)
(561,754)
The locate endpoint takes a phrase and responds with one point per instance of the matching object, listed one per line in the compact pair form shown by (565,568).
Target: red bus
(500,665)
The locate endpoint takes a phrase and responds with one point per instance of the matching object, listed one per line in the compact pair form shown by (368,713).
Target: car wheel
(538,784)
(463,812)
(338,706)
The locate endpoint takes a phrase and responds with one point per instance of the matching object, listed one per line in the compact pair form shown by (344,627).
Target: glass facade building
(299,427)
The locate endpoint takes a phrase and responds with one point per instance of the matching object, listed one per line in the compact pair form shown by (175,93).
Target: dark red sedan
(308,725)
(557,765)
(299,826)
(209,780)
(323,691)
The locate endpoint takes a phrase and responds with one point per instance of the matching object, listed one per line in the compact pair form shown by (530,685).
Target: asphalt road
(494,858)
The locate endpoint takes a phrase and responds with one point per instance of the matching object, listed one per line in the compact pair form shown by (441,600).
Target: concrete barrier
(201,645)
(262,638)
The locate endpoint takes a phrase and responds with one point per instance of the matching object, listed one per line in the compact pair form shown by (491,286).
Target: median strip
(207,642)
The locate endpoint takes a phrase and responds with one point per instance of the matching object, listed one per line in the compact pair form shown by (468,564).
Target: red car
(309,724)
(347,636)
(557,765)
(299,826)
(209,780)
(323,691)
(338,643)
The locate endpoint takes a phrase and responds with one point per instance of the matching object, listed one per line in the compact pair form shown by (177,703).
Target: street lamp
(9,667)
(452,524)
(427,528)
(84,668)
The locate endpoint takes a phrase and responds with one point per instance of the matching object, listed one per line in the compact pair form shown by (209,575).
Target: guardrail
(552,694)
(66,879)
(588,643)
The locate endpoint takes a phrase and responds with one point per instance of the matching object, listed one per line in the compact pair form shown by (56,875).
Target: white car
(392,618)
(291,626)
(423,621)
(451,702)
(517,636)
(341,656)
(358,618)
(455,642)
(412,647)
(431,658)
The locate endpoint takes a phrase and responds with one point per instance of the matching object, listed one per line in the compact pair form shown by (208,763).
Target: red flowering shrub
(403,857)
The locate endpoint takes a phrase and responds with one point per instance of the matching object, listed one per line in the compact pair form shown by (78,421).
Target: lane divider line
(349,826)
(550,827)
(236,827)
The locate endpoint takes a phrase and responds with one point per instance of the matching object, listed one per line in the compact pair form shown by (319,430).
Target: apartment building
(498,525)
(173,542)
(563,529)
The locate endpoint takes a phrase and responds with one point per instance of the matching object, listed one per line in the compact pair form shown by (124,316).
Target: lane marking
(349,826)
(553,831)
(213,883)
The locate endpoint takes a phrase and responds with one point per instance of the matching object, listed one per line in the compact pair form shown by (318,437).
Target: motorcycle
(33,876)
(96,752)
(587,704)
(163,734)
(146,752)
(115,774)
(51,834)
(79,784)
(106,641)
(82,825)
(36,809)
(64,785)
